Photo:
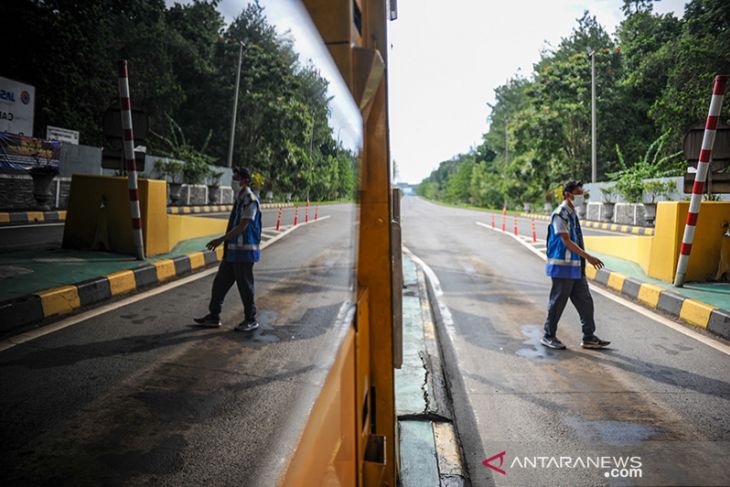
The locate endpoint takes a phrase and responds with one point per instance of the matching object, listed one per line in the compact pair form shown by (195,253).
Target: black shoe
(552,342)
(247,325)
(594,342)
(208,321)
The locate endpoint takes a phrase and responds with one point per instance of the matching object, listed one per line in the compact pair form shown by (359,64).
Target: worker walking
(240,252)
(566,266)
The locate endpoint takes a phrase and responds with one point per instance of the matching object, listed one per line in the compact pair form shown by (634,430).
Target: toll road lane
(139,396)
(655,394)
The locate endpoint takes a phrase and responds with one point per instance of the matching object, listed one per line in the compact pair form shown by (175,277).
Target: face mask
(578,200)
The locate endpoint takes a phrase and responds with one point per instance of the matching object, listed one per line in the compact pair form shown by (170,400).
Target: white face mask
(578,200)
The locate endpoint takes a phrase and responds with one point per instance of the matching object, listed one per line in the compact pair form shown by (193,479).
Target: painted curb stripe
(20,311)
(614,227)
(720,322)
(696,312)
(121,282)
(649,294)
(32,216)
(32,308)
(670,302)
(59,300)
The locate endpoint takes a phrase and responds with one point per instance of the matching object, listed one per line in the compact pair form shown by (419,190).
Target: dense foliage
(654,80)
(183,69)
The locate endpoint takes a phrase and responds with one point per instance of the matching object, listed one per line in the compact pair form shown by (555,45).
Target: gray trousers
(242,274)
(577,291)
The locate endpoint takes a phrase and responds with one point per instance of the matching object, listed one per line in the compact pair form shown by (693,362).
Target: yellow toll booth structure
(350,439)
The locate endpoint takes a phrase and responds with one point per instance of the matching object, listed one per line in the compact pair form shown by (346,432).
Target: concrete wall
(596,196)
(16,189)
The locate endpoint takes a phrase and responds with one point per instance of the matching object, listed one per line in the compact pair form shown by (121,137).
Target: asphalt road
(137,396)
(655,394)
(50,235)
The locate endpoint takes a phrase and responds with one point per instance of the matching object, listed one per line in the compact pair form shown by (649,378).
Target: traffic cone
(296,215)
(278,220)
(306,213)
(514,217)
(534,232)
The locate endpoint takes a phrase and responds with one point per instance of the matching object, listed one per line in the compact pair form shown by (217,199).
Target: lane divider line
(690,311)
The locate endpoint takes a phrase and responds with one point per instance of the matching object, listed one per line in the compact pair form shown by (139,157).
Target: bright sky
(446,59)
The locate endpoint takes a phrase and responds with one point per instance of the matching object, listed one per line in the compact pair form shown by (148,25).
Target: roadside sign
(113,124)
(693,143)
(17,106)
(112,156)
(717,183)
(62,135)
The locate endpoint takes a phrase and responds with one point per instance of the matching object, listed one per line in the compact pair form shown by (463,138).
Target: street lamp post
(594,164)
(235,104)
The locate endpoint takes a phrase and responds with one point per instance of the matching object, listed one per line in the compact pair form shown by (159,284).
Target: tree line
(654,79)
(182,74)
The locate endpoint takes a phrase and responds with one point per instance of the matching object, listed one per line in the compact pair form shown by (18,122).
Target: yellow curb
(614,227)
(635,230)
(616,281)
(197,259)
(4,217)
(59,300)
(35,216)
(649,294)
(604,226)
(591,272)
(625,228)
(695,312)
(62,214)
(165,269)
(186,210)
(219,253)
(121,282)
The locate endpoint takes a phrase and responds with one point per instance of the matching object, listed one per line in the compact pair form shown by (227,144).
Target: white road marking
(11,342)
(717,345)
(34,225)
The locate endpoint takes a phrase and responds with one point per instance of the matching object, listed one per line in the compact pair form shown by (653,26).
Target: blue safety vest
(561,262)
(245,246)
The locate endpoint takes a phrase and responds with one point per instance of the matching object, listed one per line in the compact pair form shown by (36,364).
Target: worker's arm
(573,247)
(234,232)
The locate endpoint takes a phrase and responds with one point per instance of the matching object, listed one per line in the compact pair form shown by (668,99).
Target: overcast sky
(446,59)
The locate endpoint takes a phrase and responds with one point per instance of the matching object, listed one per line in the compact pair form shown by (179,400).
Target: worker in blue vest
(241,251)
(566,266)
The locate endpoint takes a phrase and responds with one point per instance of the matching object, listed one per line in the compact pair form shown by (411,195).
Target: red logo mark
(487,463)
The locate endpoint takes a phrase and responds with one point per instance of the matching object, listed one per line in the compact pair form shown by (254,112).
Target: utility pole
(594,164)
(235,104)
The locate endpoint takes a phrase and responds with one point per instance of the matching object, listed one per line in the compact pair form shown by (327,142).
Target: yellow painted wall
(658,255)
(161,231)
(183,227)
(154,217)
(634,248)
(703,261)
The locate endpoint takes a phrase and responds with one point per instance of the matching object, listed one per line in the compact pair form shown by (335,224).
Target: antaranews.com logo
(612,467)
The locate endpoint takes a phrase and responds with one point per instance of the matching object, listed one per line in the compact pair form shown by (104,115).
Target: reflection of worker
(241,251)
(566,266)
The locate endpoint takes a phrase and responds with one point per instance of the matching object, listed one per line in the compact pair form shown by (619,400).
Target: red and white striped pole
(130,162)
(306,213)
(534,231)
(296,215)
(316,212)
(703,166)
(515,223)
(278,220)
(504,219)
(493,220)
